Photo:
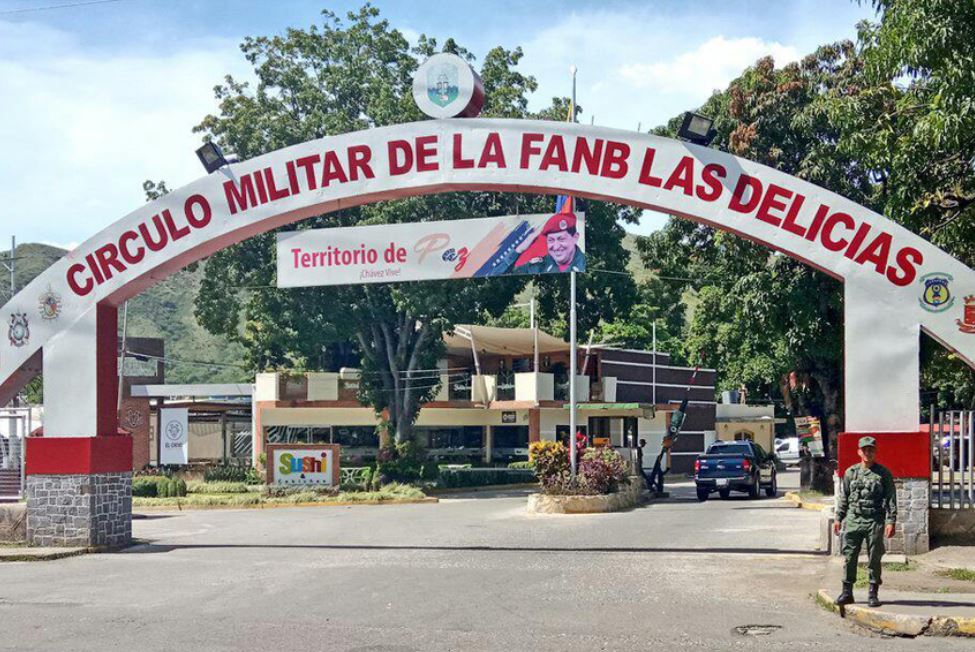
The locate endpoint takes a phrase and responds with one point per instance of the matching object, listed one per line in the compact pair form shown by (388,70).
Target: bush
(232,473)
(455,478)
(525,464)
(402,462)
(145,486)
(600,470)
(549,459)
(199,487)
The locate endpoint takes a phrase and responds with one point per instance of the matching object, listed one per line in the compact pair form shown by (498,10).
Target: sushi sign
(303,464)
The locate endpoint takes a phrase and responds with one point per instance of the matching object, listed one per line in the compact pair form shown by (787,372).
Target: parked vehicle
(735,466)
(787,450)
(954,453)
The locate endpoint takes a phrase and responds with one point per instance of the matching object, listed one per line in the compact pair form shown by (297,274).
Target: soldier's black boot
(872,599)
(846,597)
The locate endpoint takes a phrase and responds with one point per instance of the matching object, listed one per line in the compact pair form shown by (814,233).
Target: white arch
(880,263)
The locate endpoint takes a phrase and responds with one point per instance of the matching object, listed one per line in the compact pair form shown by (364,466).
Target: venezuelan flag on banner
(566,203)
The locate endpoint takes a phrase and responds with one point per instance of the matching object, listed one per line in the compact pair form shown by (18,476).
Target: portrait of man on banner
(553,248)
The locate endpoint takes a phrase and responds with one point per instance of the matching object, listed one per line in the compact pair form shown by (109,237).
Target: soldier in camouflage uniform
(867,504)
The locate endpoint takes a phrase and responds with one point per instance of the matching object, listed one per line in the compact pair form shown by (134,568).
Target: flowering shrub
(547,458)
(600,470)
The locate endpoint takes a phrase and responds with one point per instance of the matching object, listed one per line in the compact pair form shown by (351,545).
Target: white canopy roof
(502,341)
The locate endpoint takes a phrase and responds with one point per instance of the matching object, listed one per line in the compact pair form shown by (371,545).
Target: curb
(893,624)
(794,497)
(487,487)
(331,503)
(43,556)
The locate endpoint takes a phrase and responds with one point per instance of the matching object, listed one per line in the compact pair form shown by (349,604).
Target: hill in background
(164,310)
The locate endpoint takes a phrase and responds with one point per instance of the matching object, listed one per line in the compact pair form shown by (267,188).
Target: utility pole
(12,265)
(573,369)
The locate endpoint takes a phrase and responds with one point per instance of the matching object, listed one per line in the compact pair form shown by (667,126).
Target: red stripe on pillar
(905,454)
(106,365)
(78,455)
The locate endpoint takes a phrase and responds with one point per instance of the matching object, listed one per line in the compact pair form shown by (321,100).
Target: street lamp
(697,128)
(211,156)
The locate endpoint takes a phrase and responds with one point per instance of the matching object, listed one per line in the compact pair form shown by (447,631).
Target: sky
(96,97)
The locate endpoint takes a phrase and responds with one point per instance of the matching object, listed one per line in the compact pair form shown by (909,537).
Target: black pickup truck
(735,466)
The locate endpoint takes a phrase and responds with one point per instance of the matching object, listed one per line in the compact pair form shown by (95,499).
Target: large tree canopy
(342,76)
(887,121)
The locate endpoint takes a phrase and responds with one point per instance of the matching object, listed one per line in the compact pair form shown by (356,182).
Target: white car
(787,450)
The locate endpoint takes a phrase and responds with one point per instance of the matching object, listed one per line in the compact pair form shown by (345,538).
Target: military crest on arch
(49,304)
(19,331)
(936,293)
(443,84)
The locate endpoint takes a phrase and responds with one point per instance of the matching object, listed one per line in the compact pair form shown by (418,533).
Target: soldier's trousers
(856,535)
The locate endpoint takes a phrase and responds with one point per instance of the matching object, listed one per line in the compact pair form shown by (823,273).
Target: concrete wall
(953,526)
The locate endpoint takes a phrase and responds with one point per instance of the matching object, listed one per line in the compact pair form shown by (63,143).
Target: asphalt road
(474,572)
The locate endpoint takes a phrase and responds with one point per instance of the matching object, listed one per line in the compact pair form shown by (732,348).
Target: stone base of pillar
(913,503)
(91,510)
(912,536)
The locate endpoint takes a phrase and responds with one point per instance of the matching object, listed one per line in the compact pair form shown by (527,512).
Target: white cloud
(637,68)
(710,66)
(81,130)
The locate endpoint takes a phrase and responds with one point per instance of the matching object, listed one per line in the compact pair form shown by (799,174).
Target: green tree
(763,320)
(915,130)
(340,77)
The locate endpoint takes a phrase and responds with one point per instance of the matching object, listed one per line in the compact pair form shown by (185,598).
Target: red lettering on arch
(555,155)
(130,257)
(240,198)
(827,236)
(399,149)
(493,152)
(682,176)
(81,289)
(359,158)
(614,162)
(746,182)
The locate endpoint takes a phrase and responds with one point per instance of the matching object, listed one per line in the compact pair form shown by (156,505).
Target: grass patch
(863,578)
(962,574)
(200,487)
(390,493)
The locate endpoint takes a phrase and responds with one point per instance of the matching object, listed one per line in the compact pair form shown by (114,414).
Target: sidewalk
(25,553)
(930,595)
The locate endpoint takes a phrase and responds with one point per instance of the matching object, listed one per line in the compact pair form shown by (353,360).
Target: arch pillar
(79,471)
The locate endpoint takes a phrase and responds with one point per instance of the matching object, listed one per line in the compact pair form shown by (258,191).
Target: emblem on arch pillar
(49,304)
(967,323)
(19,331)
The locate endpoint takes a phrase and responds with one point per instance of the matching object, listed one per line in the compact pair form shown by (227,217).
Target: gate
(15,425)
(953,460)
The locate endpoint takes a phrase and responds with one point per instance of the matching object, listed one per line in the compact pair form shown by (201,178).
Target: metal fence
(15,424)
(953,459)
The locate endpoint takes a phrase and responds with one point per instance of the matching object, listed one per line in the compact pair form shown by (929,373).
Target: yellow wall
(763,431)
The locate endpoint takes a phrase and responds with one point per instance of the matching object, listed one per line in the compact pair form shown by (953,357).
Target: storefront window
(357,436)
(451,438)
(510,436)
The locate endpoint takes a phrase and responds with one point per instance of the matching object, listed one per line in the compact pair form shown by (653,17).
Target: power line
(66,5)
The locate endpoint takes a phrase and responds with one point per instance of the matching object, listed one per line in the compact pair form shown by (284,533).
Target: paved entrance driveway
(470,573)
